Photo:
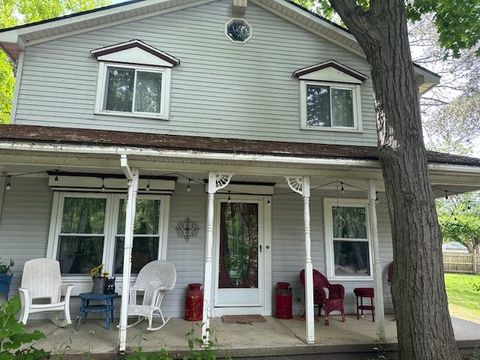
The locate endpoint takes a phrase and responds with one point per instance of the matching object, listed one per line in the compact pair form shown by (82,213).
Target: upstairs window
(134,80)
(330,97)
(329,106)
(134,90)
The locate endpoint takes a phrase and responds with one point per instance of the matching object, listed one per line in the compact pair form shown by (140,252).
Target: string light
(340,186)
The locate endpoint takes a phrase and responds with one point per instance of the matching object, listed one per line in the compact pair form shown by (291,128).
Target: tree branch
(437,101)
(354,16)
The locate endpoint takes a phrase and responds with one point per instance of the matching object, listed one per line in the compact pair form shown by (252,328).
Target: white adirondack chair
(154,280)
(42,280)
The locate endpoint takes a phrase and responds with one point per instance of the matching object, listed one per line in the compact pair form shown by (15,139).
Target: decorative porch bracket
(216,181)
(132,176)
(377,270)
(301,185)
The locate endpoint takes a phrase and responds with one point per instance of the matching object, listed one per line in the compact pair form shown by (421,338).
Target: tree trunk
(423,321)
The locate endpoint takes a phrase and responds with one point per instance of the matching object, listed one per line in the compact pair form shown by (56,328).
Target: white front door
(240,255)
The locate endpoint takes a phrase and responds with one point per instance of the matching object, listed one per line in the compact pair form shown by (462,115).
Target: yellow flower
(96,271)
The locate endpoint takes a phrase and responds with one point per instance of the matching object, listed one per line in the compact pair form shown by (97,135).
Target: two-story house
(251,131)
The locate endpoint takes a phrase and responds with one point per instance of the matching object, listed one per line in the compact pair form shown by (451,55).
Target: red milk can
(283,297)
(194,302)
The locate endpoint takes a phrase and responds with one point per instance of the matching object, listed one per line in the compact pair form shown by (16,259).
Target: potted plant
(6,277)
(98,277)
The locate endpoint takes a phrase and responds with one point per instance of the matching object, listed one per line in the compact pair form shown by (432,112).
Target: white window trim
(110,231)
(165,94)
(356,100)
(330,260)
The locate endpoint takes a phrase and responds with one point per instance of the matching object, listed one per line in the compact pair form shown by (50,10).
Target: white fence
(462,263)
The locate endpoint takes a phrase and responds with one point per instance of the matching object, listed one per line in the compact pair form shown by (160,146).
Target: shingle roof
(62,135)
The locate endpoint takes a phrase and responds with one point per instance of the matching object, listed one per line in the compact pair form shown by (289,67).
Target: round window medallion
(238,30)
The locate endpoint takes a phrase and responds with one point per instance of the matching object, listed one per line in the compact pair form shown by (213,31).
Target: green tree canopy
(457,22)
(17,12)
(460,220)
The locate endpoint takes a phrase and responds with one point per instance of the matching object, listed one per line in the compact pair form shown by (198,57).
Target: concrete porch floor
(271,339)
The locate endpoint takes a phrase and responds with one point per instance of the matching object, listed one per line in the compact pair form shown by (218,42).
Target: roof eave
(11,44)
(426,79)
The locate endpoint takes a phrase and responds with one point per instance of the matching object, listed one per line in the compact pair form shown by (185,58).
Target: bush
(198,350)
(13,335)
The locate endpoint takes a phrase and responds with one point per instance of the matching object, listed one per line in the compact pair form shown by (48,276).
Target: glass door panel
(238,262)
(239,257)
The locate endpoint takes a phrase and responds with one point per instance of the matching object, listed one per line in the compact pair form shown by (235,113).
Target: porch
(352,339)
(293,196)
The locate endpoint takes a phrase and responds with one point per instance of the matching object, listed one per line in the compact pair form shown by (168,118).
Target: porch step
(307,352)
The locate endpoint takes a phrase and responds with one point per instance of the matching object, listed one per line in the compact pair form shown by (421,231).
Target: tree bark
(423,322)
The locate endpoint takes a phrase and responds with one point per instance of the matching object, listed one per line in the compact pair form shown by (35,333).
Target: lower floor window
(89,229)
(347,239)
(351,258)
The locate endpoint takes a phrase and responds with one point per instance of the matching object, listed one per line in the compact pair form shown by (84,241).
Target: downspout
(132,176)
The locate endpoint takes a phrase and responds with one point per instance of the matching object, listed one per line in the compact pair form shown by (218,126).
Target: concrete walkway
(273,338)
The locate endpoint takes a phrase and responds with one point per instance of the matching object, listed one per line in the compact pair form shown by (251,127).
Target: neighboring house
(255,123)
(454,247)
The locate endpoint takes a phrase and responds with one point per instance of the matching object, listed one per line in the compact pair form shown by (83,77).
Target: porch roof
(63,135)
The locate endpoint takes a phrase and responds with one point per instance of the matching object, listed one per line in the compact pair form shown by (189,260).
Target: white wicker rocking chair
(154,280)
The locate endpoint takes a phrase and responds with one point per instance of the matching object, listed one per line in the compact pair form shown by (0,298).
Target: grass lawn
(463,300)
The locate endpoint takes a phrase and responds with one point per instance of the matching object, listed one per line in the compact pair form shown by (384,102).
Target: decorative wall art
(187,229)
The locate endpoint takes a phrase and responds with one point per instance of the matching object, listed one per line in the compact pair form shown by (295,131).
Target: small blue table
(104,304)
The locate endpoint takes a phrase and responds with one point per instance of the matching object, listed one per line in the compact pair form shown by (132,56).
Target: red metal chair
(331,302)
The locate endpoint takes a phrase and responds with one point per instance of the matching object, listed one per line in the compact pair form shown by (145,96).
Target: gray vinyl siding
(24,226)
(221,89)
(188,256)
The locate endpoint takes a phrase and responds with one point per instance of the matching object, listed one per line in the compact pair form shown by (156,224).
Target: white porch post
(132,176)
(377,270)
(215,183)
(301,185)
